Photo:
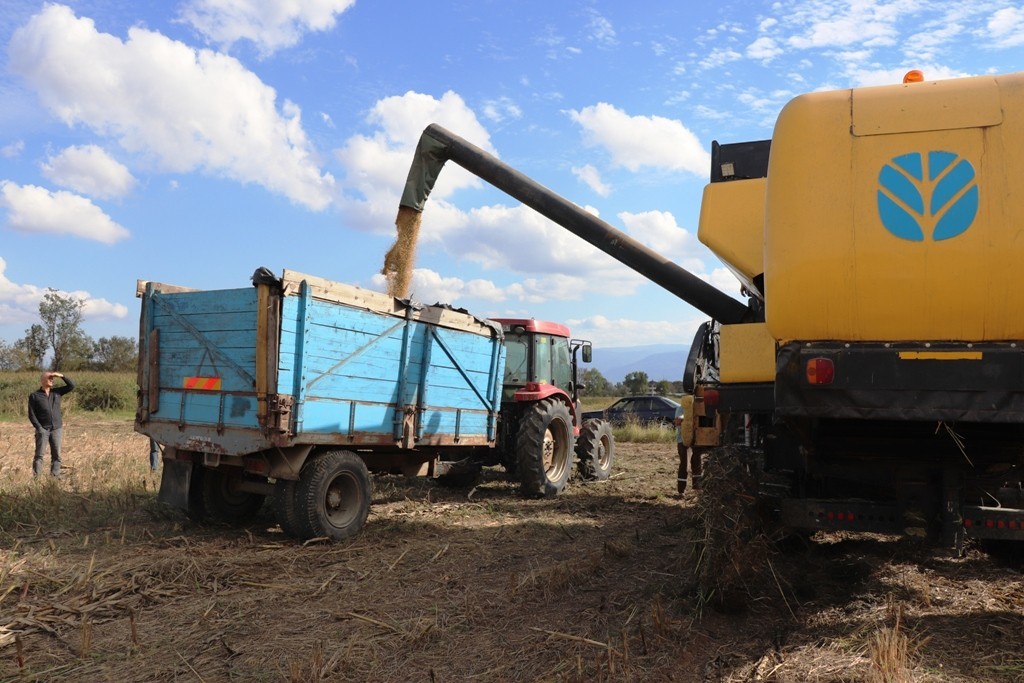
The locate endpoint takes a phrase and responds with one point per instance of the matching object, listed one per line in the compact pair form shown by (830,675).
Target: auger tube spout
(437,145)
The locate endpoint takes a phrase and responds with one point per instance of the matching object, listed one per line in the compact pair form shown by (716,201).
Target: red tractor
(540,428)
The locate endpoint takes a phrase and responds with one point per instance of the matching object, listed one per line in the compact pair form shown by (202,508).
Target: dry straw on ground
(597,585)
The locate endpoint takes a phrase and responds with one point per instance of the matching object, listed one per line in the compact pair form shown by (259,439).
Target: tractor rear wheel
(332,498)
(595,450)
(544,448)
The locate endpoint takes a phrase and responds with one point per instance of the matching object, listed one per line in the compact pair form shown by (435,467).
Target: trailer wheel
(332,497)
(285,510)
(544,449)
(222,501)
(595,450)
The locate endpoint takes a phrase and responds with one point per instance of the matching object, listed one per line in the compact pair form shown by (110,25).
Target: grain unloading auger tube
(437,145)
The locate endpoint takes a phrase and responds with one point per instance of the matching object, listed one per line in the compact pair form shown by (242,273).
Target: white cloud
(89,170)
(719,57)
(638,141)
(501,109)
(1007,26)
(12,150)
(659,231)
(35,209)
(270,25)
(601,30)
(609,333)
(19,304)
(377,164)
(592,178)
(185,109)
(429,286)
(723,279)
(867,77)
(764,48)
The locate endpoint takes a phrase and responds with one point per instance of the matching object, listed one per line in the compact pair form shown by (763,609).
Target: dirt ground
(599,584)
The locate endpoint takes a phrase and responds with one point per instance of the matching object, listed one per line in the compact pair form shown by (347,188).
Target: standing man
(685,454)
(44,414)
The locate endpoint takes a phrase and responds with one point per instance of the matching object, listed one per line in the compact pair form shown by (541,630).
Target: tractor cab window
(542,358)
(517,360)
(561,363)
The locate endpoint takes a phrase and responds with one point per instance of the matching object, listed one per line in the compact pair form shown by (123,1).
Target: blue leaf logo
(927,196)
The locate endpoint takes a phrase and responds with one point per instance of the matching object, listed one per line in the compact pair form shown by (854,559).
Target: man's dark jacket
(43,410)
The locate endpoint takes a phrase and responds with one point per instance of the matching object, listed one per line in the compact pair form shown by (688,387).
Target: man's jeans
(43,437)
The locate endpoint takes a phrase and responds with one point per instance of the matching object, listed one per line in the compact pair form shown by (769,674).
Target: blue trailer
(297,388)
(308,383)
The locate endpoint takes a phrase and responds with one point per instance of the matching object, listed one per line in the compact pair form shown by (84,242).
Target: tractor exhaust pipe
(437,145)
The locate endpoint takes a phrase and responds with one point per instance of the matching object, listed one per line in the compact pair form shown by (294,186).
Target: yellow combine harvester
(875,378)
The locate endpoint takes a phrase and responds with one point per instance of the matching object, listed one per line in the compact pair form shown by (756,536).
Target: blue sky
(190,142)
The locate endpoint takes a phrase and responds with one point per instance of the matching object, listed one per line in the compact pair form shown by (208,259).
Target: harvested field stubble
(599,584)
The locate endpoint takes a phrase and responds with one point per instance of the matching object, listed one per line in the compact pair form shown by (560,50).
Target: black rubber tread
(196,506)
(595,450)
(221,502)
(285,509)
(536,480)
(333,474)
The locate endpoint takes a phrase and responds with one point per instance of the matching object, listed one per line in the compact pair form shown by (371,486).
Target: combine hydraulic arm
(437,145)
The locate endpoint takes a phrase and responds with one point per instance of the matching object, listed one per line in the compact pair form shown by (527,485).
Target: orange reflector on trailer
(203,383)
(820,371)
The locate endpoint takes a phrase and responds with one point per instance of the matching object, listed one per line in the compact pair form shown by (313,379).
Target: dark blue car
(641,409)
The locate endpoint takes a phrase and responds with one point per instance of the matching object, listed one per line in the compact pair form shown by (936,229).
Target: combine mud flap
(174,484)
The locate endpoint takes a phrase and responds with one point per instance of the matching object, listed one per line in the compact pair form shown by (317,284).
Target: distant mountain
(659,361)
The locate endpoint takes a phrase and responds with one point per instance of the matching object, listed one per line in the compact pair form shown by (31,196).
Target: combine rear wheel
(595,450)
(544,449)
(332,497)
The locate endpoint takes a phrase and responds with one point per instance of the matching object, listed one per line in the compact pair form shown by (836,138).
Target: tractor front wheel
(595,450)
(544,449)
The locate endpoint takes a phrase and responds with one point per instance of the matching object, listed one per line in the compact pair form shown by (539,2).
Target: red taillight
(820,371)
(711,398)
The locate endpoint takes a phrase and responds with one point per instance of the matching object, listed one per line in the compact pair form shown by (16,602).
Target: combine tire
(221,499)
(544,449)
(332,497)
(595,450)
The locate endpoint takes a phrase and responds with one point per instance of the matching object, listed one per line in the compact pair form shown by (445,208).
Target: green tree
(636,382)
(595,383)
(663,387)
(114,354)
(11,359)
(29,351)
(61,315)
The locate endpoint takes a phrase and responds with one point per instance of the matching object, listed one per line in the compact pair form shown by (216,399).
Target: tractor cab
(540,356)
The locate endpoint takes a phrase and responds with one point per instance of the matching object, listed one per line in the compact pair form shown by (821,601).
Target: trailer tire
(595,450)
(285,510)
(222,501)
(332,497)
(544,449)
